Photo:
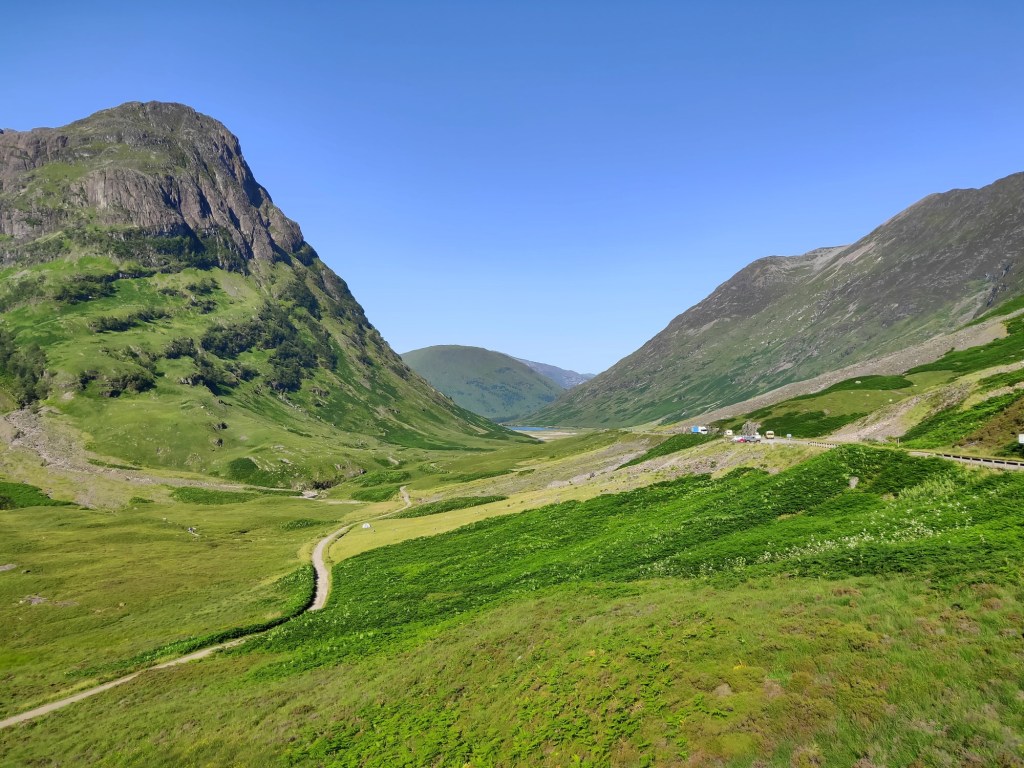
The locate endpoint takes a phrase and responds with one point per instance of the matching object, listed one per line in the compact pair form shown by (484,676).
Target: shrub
(115,323)
(210,496)
(674,444)
(377,493)
(85,288)
(180,348)
(18,495)
(448,505)
(23,369)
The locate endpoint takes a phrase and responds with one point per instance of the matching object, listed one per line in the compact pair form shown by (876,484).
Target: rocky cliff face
(926,271)
(169,297)
(163,168)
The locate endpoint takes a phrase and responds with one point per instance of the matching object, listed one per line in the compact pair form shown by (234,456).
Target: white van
(769,435)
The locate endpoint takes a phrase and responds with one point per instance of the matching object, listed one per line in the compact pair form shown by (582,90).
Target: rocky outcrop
(163,168)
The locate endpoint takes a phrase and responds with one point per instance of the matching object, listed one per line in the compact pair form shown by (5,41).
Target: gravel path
(323,588)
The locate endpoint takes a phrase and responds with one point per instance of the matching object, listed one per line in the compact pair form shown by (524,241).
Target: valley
(225,498)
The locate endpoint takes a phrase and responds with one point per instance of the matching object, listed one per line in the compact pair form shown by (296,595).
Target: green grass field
(820,413)
(779,620)
(448,505)
(93,592)
(667,447)
(791,607)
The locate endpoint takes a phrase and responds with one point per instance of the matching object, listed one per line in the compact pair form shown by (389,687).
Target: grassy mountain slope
(969,400)
(753,618)
(564,378)
(153,297)
(488,383)
(933,267)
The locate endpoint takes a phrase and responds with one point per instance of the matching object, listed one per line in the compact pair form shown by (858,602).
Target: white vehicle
(769,435)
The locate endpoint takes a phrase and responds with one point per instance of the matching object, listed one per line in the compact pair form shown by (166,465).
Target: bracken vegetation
(22,369)
(19,495)
(905,518)
(449,505)
(954,425)
(674,444)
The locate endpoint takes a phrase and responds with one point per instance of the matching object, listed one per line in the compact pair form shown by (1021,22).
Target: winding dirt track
(323,588)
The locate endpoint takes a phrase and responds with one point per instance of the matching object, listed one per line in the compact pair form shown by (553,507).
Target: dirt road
(323,573)
(322,590)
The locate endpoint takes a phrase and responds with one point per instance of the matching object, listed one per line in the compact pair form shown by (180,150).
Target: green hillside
(610,598)
(487,383)
(156,301)
(969,400)
(932,268)
(750,618)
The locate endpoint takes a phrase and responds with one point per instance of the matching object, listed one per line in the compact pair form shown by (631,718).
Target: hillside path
(320,594)
(323,586)
(323,573)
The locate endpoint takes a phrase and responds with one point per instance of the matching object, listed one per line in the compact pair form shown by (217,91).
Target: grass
(955,425)
(94,591)
(469,477)
(146,397)
(809,423)
(382,477)
(621,537)
(998,380)
(299,588)
(672,445)
(781,620)
(865,383)
(188,495)
(448,505)
(820,413)
(1003,309)
(1008,349)
(20,495)
(375,493)
(488,383)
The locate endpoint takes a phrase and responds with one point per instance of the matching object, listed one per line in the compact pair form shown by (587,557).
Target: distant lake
(531,429)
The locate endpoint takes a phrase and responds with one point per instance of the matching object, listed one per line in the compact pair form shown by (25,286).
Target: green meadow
(94,593)
(552,604)
(862,605)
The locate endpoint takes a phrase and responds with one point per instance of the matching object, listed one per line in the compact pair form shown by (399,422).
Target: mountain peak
(176,300)
(161,168)
(926,271)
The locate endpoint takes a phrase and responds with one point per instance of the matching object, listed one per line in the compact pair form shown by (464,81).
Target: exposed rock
(177,172)
(927,271)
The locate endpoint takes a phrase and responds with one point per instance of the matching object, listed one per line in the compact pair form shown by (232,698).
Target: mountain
(930,269)
(562,377)
(488,383)
(155,299)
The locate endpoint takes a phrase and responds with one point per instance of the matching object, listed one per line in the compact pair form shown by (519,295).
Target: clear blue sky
(555,179)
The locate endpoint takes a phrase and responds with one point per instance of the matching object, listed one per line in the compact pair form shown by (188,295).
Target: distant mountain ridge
(156,299)
(564,378)
(926,271)
(488,383)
